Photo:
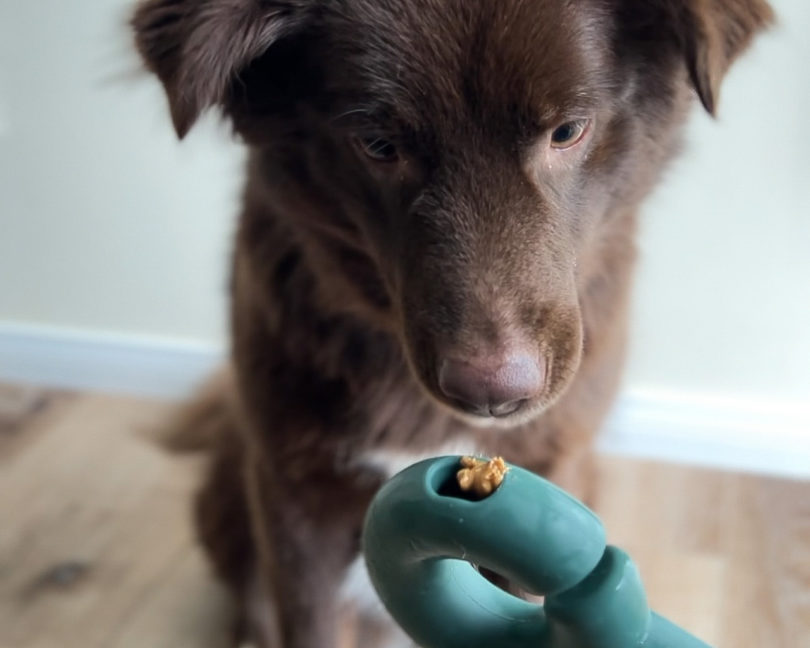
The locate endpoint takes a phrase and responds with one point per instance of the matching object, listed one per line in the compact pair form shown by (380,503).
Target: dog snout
(493,386)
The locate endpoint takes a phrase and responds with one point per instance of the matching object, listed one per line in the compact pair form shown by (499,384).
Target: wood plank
(24,411)
(97,550)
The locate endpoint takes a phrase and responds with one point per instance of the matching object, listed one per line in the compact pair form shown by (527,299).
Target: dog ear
(712,34)
(197,47)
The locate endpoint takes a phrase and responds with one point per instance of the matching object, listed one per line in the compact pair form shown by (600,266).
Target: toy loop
(420,539)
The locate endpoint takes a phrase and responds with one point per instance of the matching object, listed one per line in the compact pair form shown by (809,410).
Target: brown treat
(481,477)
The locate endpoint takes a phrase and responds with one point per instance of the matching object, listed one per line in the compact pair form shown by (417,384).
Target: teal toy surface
(422,538)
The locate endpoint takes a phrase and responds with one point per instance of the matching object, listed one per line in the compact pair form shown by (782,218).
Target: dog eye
(569,133)
(377,148)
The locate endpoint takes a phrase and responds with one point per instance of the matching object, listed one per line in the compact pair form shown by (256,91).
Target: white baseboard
(142,366)
(747,434)
(750,434)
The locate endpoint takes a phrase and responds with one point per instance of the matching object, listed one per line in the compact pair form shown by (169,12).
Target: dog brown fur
(355,277)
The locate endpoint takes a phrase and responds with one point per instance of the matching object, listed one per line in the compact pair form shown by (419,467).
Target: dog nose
(493,386)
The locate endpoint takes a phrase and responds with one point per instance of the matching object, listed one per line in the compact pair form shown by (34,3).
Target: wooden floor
(96,549)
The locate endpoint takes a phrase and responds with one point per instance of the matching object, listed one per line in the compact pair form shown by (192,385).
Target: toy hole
(444,483)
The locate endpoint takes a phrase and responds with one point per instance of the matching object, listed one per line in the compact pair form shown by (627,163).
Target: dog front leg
(307,528)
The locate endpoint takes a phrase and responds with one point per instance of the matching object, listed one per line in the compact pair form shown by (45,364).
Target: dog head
(454,161)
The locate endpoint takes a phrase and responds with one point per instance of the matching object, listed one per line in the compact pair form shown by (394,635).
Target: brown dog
(435,248)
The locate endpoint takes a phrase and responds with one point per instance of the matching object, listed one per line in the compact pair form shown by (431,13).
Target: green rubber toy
(422,538)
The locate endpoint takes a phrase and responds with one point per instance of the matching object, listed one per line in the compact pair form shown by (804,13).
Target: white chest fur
(390,462)
(356,588)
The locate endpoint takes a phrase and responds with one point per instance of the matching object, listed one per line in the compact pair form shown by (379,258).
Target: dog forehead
(503,60)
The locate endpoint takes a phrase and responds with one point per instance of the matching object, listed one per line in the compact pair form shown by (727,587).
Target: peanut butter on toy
(481,477)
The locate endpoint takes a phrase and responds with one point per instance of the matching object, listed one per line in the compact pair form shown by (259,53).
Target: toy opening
(443,482)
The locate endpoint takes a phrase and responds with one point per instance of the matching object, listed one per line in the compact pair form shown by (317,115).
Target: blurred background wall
(114,240)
